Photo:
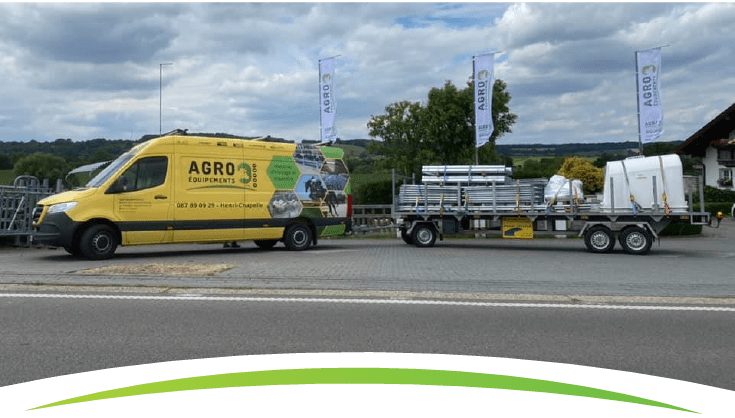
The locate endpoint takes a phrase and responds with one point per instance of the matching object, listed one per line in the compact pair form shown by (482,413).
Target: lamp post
(160,95)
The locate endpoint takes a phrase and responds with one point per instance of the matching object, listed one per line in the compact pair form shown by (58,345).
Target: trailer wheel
(265,244)
(636,240)
(98,242)
(424,235)
(297,237)
(406,237)
(599,239)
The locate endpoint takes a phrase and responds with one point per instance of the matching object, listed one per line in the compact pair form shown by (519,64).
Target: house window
(724,154)
(725,179)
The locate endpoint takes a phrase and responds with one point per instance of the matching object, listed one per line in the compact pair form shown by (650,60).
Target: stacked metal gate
(16,207)
(469,189)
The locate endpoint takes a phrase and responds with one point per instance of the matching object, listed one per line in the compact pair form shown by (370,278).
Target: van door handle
(160,196)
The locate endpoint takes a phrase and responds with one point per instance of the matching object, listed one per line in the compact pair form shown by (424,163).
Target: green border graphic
(362,376)
(362,384)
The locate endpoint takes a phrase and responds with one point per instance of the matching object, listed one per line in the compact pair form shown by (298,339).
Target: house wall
(712,168)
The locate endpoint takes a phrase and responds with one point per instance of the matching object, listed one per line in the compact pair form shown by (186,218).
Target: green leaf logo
(248,173)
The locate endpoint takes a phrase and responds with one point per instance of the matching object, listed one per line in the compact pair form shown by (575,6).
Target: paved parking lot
(699,266)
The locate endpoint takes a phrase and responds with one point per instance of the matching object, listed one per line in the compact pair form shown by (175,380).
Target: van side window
(144,174)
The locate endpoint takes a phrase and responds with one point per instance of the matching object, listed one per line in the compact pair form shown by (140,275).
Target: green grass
(352,150)
(6,177)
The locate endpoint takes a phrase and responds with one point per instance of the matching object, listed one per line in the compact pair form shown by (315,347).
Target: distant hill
(573,149)
(629,147)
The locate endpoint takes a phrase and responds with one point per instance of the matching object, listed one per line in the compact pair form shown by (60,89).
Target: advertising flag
(327,104)
(484,80)
(650,115)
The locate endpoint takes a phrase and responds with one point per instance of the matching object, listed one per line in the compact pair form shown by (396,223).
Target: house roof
(718,128)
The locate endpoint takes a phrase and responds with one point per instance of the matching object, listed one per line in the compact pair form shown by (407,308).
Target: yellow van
(184,189)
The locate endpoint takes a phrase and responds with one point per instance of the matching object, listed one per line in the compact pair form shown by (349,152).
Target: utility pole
(160,95)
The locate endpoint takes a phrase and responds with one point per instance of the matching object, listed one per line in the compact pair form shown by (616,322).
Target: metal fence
(372,219)
(16,207)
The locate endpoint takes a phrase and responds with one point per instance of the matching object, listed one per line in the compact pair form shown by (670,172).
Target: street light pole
(160,95)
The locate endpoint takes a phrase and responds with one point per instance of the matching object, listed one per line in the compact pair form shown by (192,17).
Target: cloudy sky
(89,70)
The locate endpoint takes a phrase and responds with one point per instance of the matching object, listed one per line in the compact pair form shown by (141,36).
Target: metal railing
(372,219)
(16,207)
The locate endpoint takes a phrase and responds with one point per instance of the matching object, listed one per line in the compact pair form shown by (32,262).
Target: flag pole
(474,99)
(638,105)
(319,88)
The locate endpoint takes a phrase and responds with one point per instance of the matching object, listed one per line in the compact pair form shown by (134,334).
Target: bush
(375,193)
(680,228)
(714,207)
(713,194)
(41,166)
(576,168)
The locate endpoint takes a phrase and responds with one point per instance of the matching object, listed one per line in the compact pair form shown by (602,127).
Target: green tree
(42,166)
(6,162)
(576,168)
(442,131)
(401,130)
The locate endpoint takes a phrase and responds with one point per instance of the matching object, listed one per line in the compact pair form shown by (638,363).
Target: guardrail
(16,207)
(372,219)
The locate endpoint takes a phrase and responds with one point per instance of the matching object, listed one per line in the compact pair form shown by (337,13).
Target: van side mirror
(118,186)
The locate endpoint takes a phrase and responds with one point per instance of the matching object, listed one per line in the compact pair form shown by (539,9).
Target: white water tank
(636,177)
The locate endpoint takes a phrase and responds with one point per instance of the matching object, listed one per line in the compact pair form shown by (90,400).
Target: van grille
(37,211)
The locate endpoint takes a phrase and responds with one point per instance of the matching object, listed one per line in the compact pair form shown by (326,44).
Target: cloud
(84,70)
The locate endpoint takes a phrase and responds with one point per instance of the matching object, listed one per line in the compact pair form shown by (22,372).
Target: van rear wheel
(98,242)
(297,237)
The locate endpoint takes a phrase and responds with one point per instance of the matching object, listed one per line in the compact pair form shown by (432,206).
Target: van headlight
(61,207)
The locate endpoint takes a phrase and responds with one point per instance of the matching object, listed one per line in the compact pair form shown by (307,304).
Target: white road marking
(186,297)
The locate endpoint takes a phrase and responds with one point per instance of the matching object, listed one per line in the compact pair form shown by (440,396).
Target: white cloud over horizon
(89,70)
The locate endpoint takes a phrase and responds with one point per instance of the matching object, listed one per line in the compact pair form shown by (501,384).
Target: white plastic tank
(633,178)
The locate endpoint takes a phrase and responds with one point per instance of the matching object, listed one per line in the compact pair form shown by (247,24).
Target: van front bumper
(57,230)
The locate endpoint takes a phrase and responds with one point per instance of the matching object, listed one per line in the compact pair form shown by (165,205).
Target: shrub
(576,168)
(375,193)
(714,207)
(680,228)
(713,194)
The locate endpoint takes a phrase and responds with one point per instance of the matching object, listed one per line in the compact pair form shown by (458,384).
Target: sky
(92,70)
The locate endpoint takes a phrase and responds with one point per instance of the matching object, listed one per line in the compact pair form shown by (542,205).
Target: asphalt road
(44,337)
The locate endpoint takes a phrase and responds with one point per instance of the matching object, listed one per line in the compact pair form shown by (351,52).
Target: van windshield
(111,169)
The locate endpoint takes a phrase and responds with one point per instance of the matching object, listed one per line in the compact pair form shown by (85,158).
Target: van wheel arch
(299,236)
(98,240)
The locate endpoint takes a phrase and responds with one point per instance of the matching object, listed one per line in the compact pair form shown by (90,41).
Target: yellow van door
(143,200)
(210,191)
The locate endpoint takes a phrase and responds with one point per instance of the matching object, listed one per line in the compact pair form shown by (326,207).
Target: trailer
(641,196)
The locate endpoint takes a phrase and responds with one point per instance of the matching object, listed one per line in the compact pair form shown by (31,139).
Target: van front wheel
(98,242)
(265,244)
(297,237)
